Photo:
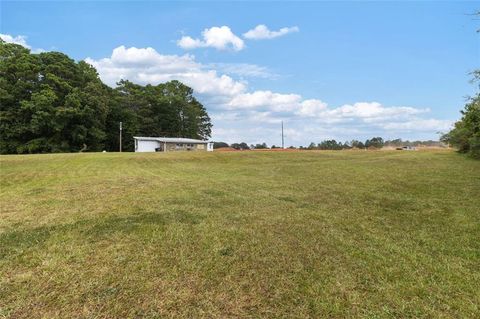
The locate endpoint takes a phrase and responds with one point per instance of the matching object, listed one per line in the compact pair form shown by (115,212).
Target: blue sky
(338,70)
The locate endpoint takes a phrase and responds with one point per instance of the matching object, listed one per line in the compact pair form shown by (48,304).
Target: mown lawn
(240,235)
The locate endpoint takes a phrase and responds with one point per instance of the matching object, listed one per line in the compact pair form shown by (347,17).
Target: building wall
(175,147)
(146,146)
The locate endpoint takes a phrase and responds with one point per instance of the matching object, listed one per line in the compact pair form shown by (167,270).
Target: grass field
(240,234)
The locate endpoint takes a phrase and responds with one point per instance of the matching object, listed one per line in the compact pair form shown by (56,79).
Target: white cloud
(373,110)
(149,57)
(146,65)
(242,114)
(220,38)
(267,100)
(20,39)
(188,43)
(311,108)
(261,31)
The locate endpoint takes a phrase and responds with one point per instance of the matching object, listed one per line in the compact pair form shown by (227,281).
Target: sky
(328,70)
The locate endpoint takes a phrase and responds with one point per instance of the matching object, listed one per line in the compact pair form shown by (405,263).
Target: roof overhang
(171,140)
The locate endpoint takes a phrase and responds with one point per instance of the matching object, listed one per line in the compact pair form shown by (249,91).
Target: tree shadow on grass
(20,241)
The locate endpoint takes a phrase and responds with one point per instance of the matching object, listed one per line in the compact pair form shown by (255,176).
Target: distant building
(406,148)
(170,144)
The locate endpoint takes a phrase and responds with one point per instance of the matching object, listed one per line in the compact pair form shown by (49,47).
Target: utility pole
(120,137)
(283,146)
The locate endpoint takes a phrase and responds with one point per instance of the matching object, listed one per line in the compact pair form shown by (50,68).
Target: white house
(169,144)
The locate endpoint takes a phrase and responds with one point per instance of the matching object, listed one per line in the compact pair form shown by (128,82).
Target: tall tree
(53,104)
(376,142)
(465,135)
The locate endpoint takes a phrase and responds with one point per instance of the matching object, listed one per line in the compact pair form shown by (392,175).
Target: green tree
(244,146)
(357,144)
(376,142)
(53,104)
(240,146)
(220,145)
(330,145)
(261,146)
(465,135)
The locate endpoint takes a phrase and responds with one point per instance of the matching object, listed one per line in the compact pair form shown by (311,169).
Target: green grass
(241,234)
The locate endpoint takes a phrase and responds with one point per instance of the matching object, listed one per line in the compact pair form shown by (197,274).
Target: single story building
(406,148)
(168,144)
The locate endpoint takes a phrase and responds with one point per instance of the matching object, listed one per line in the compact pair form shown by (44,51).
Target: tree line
(373,143)
(50,103)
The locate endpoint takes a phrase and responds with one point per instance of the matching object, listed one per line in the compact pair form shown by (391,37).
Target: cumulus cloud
(240,113)
(147,66)
(188,43)
(373,111)
(220,38)
(311,108)
(265,100)
(261,32)
(19,39)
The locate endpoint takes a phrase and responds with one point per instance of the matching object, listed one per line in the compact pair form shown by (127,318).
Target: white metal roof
(171,140)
